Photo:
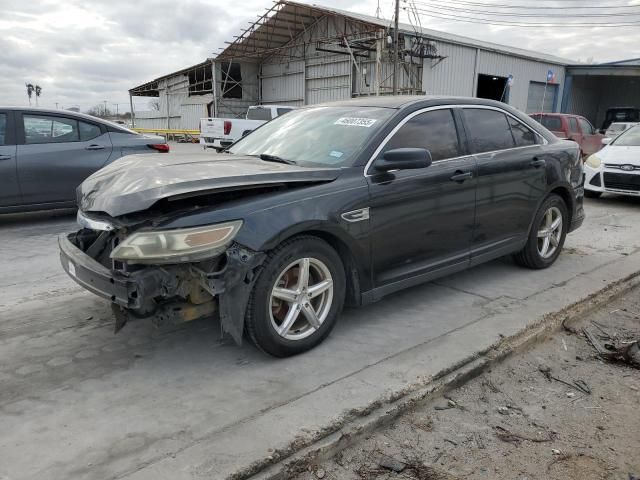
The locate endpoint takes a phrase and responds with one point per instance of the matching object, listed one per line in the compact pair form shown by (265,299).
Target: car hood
(134,183)
(616,155)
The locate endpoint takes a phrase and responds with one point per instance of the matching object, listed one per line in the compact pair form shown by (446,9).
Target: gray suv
(46,154)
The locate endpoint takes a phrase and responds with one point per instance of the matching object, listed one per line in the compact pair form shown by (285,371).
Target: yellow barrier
(167,131)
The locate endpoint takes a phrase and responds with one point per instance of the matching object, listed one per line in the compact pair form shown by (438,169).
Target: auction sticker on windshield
(356,122)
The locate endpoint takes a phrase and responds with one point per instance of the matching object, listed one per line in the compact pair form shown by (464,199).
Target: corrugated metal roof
(287,19)
(450,37)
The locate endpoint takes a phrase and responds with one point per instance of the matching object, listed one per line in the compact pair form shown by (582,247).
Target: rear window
(551,123)
(259,114)
(489,130)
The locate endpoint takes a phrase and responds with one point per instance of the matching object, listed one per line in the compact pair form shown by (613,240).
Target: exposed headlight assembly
(176,246)
(593,161)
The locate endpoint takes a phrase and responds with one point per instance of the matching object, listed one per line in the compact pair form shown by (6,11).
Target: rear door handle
(5,157)
(538,162)
(94,147)
(460,176)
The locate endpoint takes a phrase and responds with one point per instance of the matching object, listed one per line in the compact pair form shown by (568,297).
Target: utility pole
(56,105)
(395,49)
(105,108)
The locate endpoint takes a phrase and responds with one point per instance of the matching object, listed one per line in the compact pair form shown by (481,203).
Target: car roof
(68,113)
(402,101)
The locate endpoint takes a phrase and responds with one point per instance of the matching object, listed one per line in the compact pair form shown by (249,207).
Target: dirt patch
(557,411)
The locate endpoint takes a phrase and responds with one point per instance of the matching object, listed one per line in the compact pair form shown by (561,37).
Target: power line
(537,15)
(488,21)
(526,7)
(527,14)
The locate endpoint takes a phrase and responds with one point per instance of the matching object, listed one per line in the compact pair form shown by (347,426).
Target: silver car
(46,154)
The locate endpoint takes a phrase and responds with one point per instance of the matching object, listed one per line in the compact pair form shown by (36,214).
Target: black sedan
(329,205)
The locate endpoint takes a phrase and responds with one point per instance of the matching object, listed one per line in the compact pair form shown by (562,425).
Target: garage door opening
(492,87)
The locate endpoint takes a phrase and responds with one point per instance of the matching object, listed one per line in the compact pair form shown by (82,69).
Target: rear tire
(547,235)
(290,311)
(592,194)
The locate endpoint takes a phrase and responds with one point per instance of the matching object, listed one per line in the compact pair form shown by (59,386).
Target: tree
(100,111)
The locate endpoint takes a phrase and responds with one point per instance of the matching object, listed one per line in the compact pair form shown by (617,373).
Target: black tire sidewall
(532,244)
(263,333)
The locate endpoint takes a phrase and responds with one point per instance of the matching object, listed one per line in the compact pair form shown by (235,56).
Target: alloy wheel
(550,232)
(301,298)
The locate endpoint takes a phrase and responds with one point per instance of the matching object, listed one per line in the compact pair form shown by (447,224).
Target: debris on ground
(545,414)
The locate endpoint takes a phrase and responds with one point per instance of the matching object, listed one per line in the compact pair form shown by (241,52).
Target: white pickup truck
(219,133)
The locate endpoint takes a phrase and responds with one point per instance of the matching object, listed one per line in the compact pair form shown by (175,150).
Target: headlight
(176,246)
(593,161)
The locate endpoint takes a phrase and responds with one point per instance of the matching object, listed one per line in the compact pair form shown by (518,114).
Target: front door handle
(538,162)
(461,176)
(5,157)
(94,147)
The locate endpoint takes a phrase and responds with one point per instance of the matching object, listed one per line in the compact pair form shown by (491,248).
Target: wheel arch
(355,271)
(564,193)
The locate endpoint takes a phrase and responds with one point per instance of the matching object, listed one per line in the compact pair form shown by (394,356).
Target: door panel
(9,189)
(55,159)
(511,179)
(421,220)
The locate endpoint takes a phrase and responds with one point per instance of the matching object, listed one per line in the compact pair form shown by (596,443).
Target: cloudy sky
(82,53)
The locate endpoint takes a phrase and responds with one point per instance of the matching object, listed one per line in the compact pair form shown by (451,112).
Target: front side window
(49,129)
(88,131)
(434,130)
(488,130)
(586,127)
(3,128)
(316,136)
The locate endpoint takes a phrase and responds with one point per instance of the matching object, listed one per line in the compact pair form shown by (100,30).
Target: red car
(572,127)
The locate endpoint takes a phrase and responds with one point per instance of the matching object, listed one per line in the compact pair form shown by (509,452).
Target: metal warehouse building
(298,54)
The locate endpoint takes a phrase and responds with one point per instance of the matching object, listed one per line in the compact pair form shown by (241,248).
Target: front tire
(297,297)
(547,235)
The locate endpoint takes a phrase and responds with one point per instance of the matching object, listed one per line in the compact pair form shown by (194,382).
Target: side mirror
(403,159)
(606,140)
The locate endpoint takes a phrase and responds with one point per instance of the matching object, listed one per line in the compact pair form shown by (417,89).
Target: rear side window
(259,114)
(3,128)
(282,111)
(488,130)
(522,134)
(48,129)
(573,125)
(434,130)
(89,131)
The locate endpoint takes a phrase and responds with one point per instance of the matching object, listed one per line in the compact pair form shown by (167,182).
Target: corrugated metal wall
(283,83)
(453,75)
(584,97)
(523,71)
(328,79)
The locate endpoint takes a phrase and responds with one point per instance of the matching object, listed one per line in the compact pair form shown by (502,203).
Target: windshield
(315,136)
(617,127)
(630,138)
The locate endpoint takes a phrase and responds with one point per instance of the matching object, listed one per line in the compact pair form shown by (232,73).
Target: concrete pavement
(79,402)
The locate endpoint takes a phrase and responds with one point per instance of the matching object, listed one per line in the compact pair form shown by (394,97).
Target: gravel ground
(513,422)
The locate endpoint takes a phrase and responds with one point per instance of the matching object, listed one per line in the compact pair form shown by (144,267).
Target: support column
(566,92)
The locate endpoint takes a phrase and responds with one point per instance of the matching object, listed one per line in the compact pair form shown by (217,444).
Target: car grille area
(622,181)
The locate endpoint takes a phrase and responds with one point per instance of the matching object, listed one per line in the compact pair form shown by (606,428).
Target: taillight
(227,127)
(159,147)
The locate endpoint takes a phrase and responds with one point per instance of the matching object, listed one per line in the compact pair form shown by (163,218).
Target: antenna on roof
(378,11)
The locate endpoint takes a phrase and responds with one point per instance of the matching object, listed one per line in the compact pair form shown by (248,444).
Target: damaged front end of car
(168,276)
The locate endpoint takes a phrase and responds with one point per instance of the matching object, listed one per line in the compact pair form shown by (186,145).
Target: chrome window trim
(449,107)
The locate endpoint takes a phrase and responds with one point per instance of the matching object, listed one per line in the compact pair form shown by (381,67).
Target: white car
(616,128)
(615,168)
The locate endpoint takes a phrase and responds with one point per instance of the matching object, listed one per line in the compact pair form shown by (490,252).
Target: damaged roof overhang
(150,89)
